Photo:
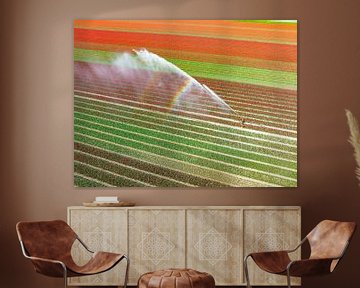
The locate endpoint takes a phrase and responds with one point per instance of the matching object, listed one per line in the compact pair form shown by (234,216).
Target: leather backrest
(329,238)
(47,239)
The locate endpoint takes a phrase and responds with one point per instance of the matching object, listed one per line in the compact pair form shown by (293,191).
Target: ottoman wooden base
(176,278)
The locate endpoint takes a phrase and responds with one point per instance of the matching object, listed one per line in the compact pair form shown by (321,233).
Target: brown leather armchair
(48,245)
(328,242)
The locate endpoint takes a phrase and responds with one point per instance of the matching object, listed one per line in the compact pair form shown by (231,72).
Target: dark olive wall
(37,112)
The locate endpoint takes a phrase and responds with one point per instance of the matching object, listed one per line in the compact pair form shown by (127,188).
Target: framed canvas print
(185,103)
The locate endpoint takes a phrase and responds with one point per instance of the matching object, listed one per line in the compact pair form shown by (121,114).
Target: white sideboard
(212,239)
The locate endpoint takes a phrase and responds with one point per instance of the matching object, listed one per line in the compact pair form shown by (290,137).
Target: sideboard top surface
(193,207)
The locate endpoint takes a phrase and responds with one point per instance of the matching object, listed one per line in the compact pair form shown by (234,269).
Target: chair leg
(246,270)
(65,277)
(288,278)
(127,271)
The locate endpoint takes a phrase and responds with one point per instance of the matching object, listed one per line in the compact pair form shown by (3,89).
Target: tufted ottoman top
(176,278)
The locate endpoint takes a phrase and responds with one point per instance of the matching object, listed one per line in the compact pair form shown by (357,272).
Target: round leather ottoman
(176,278)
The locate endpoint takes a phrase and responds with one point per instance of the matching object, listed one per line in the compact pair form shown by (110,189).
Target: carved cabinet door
(270,230)
(101,230)
(156,240)
(214,244)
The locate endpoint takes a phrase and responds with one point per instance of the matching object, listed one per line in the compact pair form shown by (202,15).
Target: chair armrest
(271,261)
(298,246)
(280,251)
(309,267)
(269,253)
(48,267)
(45,260)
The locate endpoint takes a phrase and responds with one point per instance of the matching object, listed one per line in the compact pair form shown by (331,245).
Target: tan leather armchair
(48,245)
(328,242)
